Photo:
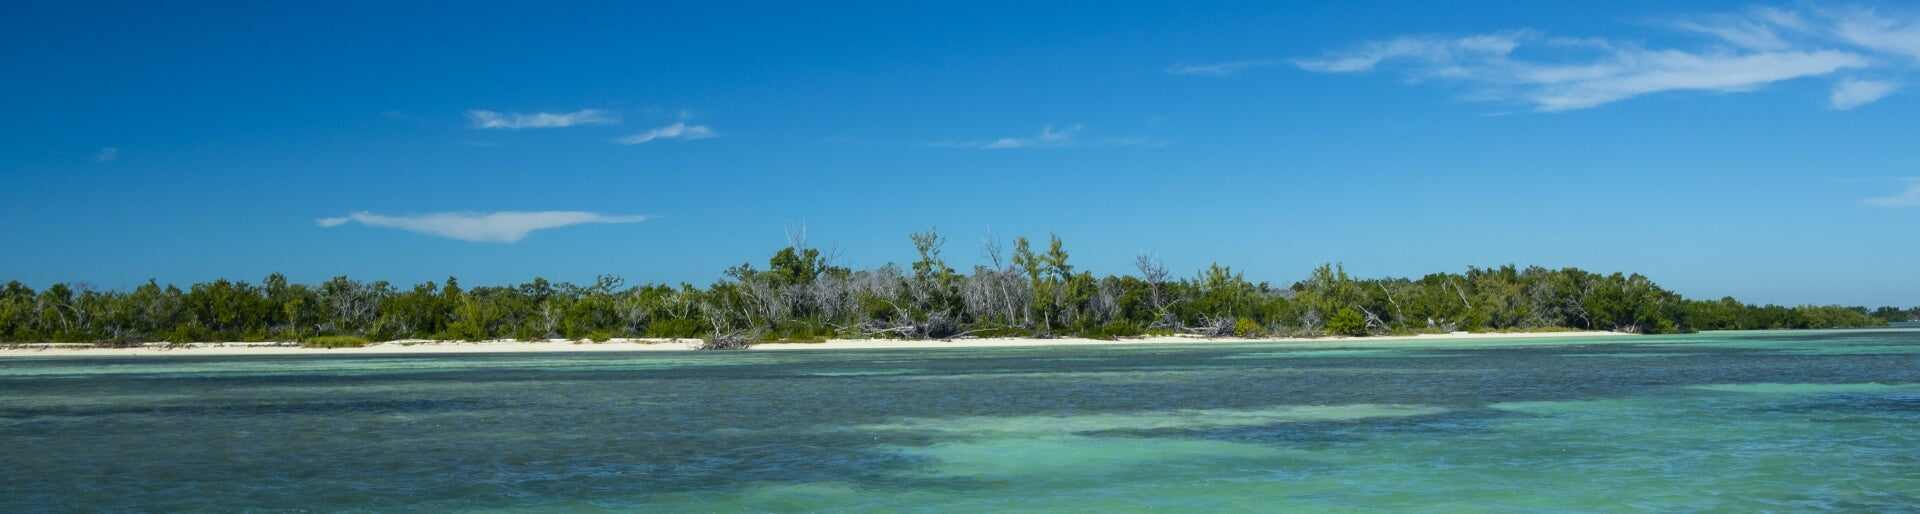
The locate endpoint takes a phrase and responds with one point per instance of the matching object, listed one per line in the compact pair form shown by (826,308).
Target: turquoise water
(1778,421)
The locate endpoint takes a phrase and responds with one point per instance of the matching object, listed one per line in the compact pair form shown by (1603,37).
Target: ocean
(1739,421)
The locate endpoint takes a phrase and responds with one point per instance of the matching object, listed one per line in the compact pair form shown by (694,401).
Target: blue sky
(1765,151)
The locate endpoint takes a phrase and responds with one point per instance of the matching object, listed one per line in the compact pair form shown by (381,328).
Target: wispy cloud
(1888,34)
(678,130)
(498,227)
(1758,29)
(1851,93)
(494,120)
(1733,53)
(1219,69)
(107,154)
(1907,198)
(1428,49)
(1048,138)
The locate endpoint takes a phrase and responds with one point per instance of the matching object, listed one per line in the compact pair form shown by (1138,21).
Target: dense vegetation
(801,295)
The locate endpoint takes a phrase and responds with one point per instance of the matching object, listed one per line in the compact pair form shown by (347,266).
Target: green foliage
(181,335)
(334,342)
(1246,327)
(1110,331)
(1347,322)
(800,296)
(464,331)
(1891,314)
(674,328)
(529,332)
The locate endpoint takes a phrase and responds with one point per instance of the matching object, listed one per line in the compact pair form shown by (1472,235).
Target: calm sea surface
(1781,421)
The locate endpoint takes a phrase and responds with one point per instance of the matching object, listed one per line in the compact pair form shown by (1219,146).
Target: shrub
(181,334)
(380,332)
(1111,331)
(1346,322)
(334,342)
(1248,328)
(465,331)
(1001,332)
(528,332)
(799,332)
(674,328)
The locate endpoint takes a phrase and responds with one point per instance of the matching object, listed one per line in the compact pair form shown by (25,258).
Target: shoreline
(426,347)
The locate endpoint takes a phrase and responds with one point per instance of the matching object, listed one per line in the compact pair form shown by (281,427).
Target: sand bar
(634,345)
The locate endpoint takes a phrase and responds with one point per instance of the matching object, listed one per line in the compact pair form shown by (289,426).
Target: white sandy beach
(633,345)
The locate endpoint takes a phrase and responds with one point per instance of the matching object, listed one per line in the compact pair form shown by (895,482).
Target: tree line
(800,294)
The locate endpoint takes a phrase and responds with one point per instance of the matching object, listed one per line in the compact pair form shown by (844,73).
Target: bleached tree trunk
(1154,273)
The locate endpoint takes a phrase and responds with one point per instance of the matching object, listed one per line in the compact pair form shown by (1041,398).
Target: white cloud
(1869,29)
(107,154)
(1908,198)
(1740,52)
(1653,72)
(1221,69)
(678,130)
(1422,48)
(1047,139)
(1850,93)
(494,120)
(1760,30)
(1050,138)
(498,227)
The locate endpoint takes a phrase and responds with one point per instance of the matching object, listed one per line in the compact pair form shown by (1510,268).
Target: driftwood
(726,341)
(725,337)
(1213,327)
(938,325)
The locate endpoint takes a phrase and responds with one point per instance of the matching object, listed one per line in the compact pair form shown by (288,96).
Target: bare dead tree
(723,334)
(992,250)
(996,281)
(765,301)
(1399,316)
(1373,321)
(679,304)
(549,319)
(1106,300)
(797,236)
(1019,296)
(634,312)
(1155,274)
(1461,292)
(354,304)
(1541,310)
(834,297)
(979,294)
(883,284)
(724,337)
(937,325)
(1312,320)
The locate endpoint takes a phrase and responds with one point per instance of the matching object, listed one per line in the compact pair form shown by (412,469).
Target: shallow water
(1780,421)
